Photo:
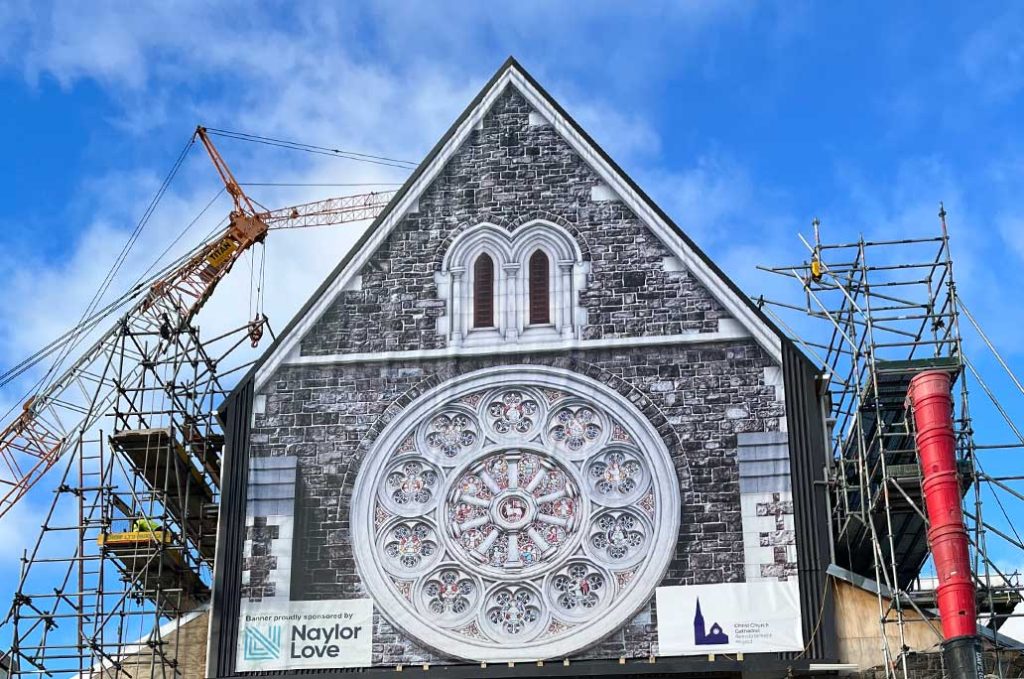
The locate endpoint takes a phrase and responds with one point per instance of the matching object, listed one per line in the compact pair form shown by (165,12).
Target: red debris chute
(929,395)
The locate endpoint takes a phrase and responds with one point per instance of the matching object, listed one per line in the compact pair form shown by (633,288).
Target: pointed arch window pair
(538,290)
(504,286)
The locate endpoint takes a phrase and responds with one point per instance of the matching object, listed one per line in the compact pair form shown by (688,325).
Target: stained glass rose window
(515,514)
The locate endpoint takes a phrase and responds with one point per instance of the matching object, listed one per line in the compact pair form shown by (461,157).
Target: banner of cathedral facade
(511,514)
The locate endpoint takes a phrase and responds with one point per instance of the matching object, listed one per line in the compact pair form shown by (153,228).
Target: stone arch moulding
(511,252)
(515,513)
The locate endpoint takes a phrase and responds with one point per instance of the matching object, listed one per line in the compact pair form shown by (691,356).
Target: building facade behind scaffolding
(526,427)
(118,582)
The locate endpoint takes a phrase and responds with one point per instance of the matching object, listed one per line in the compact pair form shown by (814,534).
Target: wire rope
(121,258)
(88,324)
(69,340)
(312,148)
(319,184)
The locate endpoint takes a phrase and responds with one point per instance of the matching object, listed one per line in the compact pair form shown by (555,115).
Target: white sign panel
(306,634)
(747,617)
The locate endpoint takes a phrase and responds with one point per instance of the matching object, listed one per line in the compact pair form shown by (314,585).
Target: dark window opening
(483,292)
(540,284)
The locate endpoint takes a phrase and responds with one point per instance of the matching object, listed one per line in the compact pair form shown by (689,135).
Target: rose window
(514,611)
(617,475)
(578,589)
(451,433)
(449,594)
(409,546)
(514,522)
(410,485)
(619,537)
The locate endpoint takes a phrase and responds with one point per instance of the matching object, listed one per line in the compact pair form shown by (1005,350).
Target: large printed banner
(749,617)
(306,634)
(509,515)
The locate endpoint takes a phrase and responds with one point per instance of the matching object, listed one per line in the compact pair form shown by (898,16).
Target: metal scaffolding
(882,311)
(138,499)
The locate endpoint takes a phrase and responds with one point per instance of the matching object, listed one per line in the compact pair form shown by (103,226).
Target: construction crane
(74,401)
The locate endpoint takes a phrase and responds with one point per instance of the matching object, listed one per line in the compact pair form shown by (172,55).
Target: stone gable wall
(698,397)
(507,173)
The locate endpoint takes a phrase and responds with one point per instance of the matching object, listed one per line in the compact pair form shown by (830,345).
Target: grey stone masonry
(508,173)
(699,396)
(328,417)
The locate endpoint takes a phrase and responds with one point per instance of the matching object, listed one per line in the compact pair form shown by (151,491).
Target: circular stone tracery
(516,529)
(513,511)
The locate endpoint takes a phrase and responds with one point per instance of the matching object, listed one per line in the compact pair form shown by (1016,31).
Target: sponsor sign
(748,617)
(306,634)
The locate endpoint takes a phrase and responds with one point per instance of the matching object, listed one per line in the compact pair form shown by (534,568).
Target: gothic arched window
(483,292)
(540,279)
(503,287)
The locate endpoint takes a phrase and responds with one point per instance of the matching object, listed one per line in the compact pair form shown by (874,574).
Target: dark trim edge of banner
(682,666)
(236,415)
(808,454)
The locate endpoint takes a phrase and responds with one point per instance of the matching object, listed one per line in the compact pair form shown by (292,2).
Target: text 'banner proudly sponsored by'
(306,634)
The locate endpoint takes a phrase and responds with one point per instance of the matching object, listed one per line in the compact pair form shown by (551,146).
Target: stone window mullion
(566,297)
(457,305)
(512,290)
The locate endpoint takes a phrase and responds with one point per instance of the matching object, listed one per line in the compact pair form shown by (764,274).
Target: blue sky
(744,120)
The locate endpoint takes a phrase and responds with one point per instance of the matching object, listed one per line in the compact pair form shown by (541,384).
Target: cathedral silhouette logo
(705,637)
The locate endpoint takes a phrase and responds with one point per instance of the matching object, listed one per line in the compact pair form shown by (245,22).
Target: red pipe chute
(929,394)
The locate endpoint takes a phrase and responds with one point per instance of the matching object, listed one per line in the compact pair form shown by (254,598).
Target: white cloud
(293,79)
(237,67)
(625,137)
(993,56)
(1011,228)
(713,200)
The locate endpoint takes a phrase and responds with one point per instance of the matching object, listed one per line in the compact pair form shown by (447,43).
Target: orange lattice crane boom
(74,401)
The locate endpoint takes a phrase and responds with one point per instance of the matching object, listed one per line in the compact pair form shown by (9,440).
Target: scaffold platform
(154,560)
(168,468)
(892,469)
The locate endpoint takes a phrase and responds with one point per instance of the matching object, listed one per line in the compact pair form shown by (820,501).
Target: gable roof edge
(380,228)
(696,261)
(767,335)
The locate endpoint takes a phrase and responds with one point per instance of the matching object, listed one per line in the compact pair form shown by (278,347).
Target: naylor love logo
(261,643)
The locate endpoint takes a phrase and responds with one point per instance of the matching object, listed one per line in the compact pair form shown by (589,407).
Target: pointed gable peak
(615,185)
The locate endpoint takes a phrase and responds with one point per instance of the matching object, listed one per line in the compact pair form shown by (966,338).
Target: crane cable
(311,148)
(140,286)
(68,341)
(115,268)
